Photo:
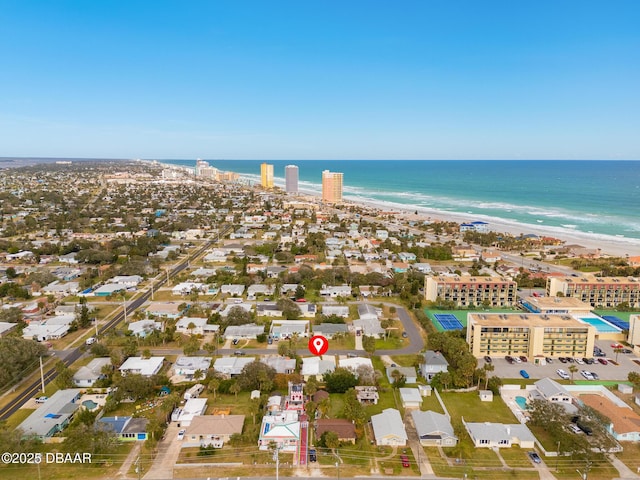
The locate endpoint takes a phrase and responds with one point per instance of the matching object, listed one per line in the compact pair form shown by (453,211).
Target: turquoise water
(596,198)
(601,325)
(522,402)
(89,404)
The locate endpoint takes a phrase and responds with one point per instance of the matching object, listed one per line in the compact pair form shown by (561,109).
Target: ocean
(598,199)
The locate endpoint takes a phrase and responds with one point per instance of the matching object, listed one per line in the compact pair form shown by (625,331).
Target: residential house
(338,310)
(52,416)
(388,428)
(231,366)
(268,309)
(127,429)
(367,395)
(248,331)
(127,280)
(143,328)
(232,290)
(282,429)
(142,366)
(353,363)
(164,309)
(189,366)
(212,430)
(259,289)
(328,330)
(336,291)
(187,288)
(499,435)
(552,391)
(109,289)
(191,409)
(345,429)
(434,429)
(409,374)
(317,366)
(195,326)
(410,398)
(624,422)
(434,363)
(283,329)
(88,375)
(280,364)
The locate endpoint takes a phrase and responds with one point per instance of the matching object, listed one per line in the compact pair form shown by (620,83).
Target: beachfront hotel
(467,291)
(606,292)
(291,179)
(529,334)
(266,175)
(331,186)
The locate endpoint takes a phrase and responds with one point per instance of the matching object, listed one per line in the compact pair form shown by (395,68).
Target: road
(69,356)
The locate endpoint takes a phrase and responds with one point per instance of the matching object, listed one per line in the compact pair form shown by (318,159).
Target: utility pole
(276,455)
(124,303)
(41,374)
(558,456)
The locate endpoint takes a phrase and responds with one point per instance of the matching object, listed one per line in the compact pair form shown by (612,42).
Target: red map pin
(318,345)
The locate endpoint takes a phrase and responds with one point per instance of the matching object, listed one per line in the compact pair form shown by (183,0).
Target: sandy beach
(608,244)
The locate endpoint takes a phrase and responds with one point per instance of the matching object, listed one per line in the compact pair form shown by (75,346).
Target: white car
(579,361)
(562,374)
(587,374)
(181,434)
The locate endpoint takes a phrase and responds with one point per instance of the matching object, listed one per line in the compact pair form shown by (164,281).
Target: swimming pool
(89,404)
(522,402)
(601,325)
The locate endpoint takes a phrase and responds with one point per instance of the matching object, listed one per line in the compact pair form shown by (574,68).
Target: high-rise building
(266,175)
(291,178)
(331,186)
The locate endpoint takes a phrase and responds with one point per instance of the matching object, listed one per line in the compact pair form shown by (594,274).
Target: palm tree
(488,367)
(572,369)
(214,383)
(235,388)
(617,351)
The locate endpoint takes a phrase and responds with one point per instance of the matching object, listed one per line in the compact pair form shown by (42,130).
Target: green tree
(213,386)
(369,344)
(340,380)
(256,376)
(572,369)
(64,378)
(353,409)
(235,388)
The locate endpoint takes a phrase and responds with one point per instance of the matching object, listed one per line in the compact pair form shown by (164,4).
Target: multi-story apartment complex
(529,334)
(266,175)
(606,292)
(466,291)
(331,186)
(291,179)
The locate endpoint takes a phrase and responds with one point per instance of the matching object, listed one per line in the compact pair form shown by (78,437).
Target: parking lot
(605,372)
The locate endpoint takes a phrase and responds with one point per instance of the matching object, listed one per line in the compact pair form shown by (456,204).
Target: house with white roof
(369,327)
(231,366)
(282,429)
(109,289)
(141,366)
(191,409)
(195,326)
(259,289)
(127,280)
(499,435)
(41,332)
(188,366)
(336,291)
(186,288)
(317,366)
(409,374)
(434,429)
(268,309)
(232,290)
(164,309)
(353,363)
(143,328)
(288,328)
(280,364)
(227,309)
(248,331)
(388,428)
(552,391)
(337,310)
(88,375)
(410,398)
(328,330)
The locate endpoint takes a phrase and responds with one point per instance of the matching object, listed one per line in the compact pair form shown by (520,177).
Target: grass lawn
(391,343)
(17,418)
(516,457)
(337,404)
(600,468)
(487,466)
(407,360)
(431,403)
(630,456)
(469,406)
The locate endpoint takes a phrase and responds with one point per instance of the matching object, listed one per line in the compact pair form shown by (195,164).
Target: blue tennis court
(618,322)
(448,321)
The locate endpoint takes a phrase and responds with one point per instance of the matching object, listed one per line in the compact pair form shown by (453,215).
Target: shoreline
(608,244)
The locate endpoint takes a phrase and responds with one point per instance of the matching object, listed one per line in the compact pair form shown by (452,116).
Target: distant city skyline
(334,80)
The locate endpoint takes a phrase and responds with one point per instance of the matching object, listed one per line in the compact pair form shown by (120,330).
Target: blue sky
(320,79)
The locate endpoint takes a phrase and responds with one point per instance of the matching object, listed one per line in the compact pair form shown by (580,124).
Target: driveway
(168,452)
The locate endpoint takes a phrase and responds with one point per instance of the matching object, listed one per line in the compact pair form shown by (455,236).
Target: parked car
(517,359)
(41,399)
(548,360)
(509,359)
(239,352)
(524,374)
(627,350)
(562,374)
(523,358)
(181,434)
(579,361)
(562,359)
(573,428)
(534,457)
(312,455)
(603,361)
(587,374)
(584,427)
(595,376)
(405,461)
(90,341)
(487,359)
(589,361)
(235,341)
(617,345)
(570,359)
(405,334)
